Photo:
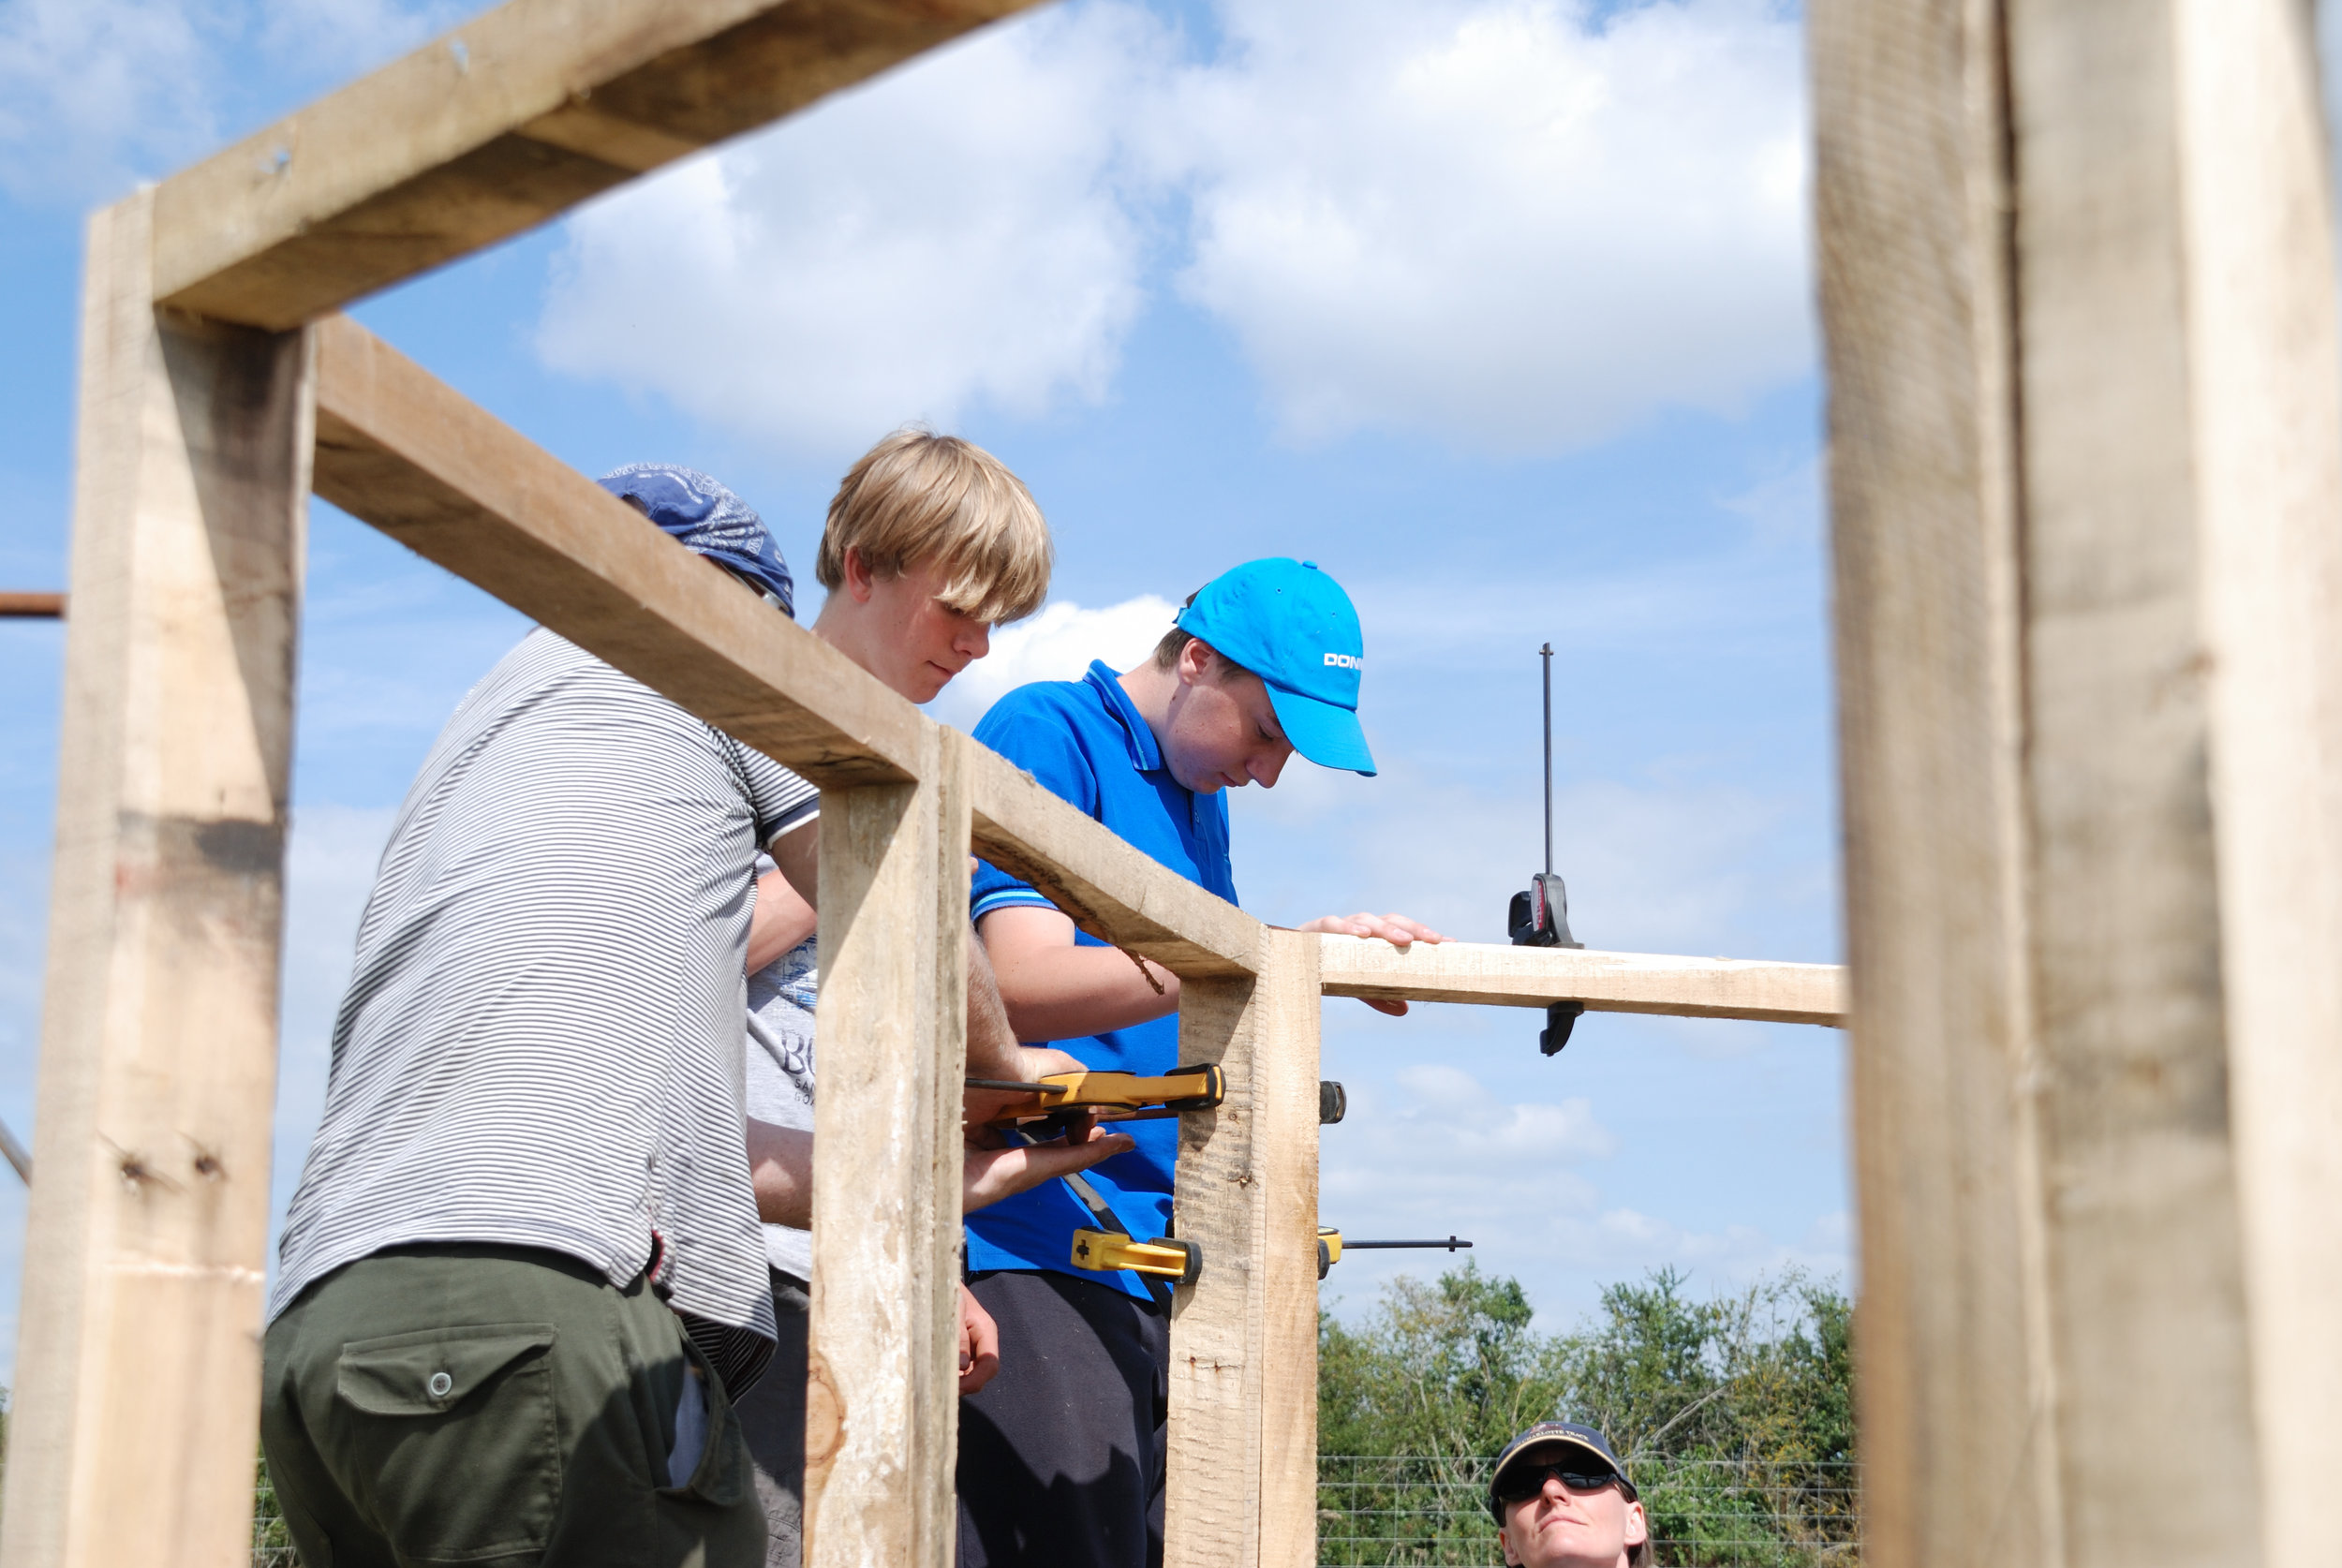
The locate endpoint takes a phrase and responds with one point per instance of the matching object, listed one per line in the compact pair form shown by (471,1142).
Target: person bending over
(522,1281)
(1061,1455)
(930,542)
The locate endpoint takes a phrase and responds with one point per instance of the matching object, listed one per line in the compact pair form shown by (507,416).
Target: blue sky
(1500,309)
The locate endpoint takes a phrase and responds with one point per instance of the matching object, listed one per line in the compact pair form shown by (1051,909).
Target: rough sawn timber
(1107,887)
(1496,975)
(881,1408)
(1241,1487)
(2086,468)
(401,449)
(503,123)
(135,1412)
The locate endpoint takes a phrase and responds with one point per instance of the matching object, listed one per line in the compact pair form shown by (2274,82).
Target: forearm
(780,1167)
(782,919)
(1065,993)
(991,1042)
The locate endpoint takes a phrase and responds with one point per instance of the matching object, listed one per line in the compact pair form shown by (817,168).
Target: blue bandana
(710,519)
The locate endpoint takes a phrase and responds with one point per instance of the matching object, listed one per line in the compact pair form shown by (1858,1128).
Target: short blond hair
(917,494)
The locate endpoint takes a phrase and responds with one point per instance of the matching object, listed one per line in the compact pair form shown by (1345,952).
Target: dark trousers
(1061,1453)
(495,1407)
(772,1418)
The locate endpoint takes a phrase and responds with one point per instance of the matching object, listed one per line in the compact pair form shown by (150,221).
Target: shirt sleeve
(782,801)
(1041,740)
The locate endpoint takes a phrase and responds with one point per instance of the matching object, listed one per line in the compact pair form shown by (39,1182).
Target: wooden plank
(882,1404)
(402,451)
(1956,1380)
(1503,976)
(32,606)
(1111,890)
(1241,1488)
(2087,436)
(2261,346)
(1285,1154)
(2146,1319)
(1212,1500)
(503,123)
(136,1398)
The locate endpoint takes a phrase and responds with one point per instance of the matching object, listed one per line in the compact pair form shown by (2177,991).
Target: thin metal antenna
(1547,651)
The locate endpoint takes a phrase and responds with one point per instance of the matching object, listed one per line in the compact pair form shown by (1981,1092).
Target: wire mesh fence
(272,1544)
(1410,1511)
(1400,1511)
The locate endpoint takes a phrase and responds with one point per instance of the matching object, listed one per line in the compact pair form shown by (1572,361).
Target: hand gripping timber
(1112,1096)
(1165,1258)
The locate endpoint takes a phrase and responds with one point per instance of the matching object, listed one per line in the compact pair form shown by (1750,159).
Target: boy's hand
(979,1344)
(1396,929)
(993,1169)
(1030,1064)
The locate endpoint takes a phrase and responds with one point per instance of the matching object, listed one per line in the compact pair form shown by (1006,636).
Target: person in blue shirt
(1061,1455)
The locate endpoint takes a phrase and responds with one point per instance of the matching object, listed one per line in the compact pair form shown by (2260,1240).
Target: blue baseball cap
(1291,625)
(710,519)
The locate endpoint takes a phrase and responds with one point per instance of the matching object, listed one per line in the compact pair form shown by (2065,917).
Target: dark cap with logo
(1547,1434)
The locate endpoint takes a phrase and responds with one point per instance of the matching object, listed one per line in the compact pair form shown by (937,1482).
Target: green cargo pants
(495,1407)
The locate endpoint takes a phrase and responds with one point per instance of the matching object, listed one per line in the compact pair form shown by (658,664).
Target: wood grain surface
(501,124)
(136,1407)
(1504,976)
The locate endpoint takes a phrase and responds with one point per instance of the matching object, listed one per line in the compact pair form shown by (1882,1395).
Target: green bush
(1735,1415)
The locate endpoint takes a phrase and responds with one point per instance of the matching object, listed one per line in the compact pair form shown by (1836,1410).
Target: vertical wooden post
(882,1406)
(1912,196)
(2086,477)
(137,1409)
(1242,1487)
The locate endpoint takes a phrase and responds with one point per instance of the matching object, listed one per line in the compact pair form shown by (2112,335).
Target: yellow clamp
(1118,1096)
(1328,1249)
(1165,1257)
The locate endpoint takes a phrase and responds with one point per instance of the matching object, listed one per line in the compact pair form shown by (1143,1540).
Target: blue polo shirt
(1086,743)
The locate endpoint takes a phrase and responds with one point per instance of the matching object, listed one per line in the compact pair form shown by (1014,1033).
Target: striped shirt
(541,1045)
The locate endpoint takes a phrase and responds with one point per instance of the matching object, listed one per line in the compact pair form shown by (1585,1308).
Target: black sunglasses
(1523,1482)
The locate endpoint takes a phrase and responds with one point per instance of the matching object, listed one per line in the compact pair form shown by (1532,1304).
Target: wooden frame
(218,390)
(2086,478)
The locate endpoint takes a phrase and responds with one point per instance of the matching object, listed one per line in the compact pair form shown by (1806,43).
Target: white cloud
(947,235)
(1650,867)
(1435,1147)
(1055,645)
(92,91)
(97,93)
(1504,223)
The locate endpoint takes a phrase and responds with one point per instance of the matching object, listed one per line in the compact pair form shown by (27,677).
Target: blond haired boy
(930,542)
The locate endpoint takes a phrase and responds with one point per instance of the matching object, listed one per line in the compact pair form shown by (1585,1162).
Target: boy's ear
(858,581)
(1195,662)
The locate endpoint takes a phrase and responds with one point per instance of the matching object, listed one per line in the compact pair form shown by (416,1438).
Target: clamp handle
(1165,1258)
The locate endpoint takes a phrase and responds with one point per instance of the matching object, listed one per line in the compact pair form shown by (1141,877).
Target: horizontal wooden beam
(1499,976)
(1111,890)
(503,123)
(399,448)
(38,607)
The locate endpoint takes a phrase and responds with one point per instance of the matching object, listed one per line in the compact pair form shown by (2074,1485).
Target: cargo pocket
(719,1477)
(454,1440)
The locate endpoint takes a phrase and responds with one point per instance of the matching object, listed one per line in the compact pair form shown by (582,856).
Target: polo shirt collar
(1146,756)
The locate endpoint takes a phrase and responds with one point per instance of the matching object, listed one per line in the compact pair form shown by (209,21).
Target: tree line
(1734,1414)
